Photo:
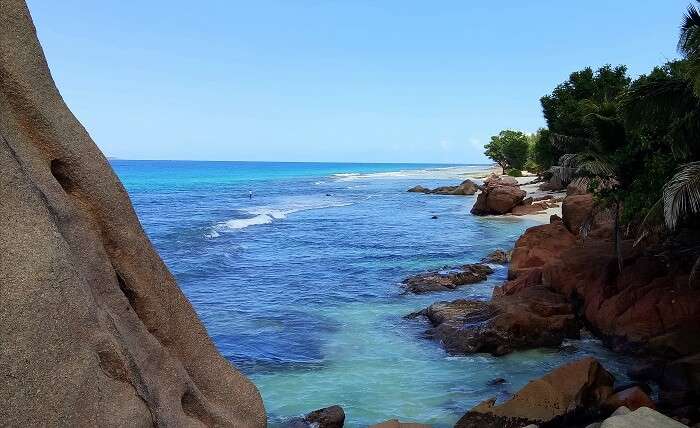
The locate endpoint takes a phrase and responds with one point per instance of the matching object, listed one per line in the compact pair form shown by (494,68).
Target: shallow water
(298,286)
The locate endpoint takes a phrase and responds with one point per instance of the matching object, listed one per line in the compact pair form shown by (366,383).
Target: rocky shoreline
(560,282)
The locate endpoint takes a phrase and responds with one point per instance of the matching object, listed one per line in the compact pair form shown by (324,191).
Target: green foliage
(541,154)
(689,46)
(569,108)
(509,149)
(635,143)
(514,172)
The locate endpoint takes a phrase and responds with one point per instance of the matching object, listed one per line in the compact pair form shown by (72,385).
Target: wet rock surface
(448,279)
(328,417)
(499,257)
(537,317)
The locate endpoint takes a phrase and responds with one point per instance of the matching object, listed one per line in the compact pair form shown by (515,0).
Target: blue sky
(311,80)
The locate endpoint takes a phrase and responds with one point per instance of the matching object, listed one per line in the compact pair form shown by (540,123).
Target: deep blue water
(298,286)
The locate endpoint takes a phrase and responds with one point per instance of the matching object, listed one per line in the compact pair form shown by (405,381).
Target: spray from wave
(266,214)
(451,172)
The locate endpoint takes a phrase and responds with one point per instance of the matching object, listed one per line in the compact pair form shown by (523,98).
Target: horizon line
(114,158)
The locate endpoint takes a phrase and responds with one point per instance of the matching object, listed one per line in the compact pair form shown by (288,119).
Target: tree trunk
(618,243)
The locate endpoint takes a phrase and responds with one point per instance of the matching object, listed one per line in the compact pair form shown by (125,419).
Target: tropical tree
(689,45)
(509,149)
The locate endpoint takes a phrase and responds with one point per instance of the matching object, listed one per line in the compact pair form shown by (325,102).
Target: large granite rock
(497,200)
(570,393)
(534,318)
(94,329)
(538,246)
(499,195)
(576,211)
(643,417)
(446,280)
(643,308)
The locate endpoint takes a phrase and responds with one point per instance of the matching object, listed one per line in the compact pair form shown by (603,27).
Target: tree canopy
(509,149)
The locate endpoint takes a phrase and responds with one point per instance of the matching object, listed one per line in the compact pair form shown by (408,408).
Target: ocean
(299,285)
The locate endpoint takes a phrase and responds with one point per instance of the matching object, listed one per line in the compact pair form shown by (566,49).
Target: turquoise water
(298,286)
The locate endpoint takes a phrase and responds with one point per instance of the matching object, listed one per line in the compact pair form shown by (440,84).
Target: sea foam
(267,214)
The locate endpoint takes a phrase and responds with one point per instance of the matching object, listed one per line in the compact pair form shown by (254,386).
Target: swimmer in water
(250,194)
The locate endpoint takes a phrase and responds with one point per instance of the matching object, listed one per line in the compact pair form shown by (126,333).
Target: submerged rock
(94,328)
(446,280)
(534,318)
(571,392)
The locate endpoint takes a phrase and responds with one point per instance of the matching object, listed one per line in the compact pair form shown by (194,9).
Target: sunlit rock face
(94,330)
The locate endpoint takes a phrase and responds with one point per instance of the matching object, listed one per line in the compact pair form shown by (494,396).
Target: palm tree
(689,45)
(680,97)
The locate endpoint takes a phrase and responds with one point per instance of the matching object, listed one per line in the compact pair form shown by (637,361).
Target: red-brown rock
(497,200)
(576,210)
(534,317)
(569,391)
(538,245)
(632,398)
(634,309)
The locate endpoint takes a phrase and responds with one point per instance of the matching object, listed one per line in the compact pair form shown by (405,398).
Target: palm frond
(658,99)
(682,195)
(567,143)
(689,41)
(694,271)
(653,222)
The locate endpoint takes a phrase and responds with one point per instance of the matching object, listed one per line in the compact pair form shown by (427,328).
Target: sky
(332,81)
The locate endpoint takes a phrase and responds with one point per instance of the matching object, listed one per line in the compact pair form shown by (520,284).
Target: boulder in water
(533,318)
(446,280)
(569,393)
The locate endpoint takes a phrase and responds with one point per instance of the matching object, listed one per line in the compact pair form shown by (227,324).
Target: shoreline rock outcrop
(573,392)
(94,328)
(446,280)
(498,196)
(465,188)
(535,318)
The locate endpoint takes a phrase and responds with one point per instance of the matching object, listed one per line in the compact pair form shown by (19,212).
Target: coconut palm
(689,45)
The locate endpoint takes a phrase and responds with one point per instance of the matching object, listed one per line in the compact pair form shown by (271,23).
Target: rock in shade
(499,257)
(633,398)
(576,210)
(534,318)
(570,393)
(329,417)
(94,330)
(446,280)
